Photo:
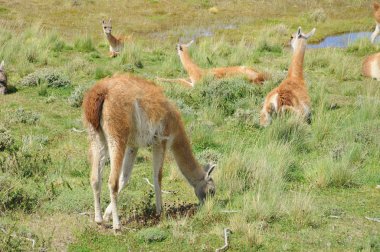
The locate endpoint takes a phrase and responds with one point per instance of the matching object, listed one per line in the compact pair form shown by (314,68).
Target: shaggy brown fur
(291,94)
(123,113)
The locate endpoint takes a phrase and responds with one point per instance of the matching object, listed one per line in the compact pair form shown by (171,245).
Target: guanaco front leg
(128,162)
(158,160)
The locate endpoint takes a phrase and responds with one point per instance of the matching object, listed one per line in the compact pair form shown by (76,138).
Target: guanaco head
(299,38)
(376,11)
(376,14)
(206,186)
(107,26)
(3,79)
(181,48)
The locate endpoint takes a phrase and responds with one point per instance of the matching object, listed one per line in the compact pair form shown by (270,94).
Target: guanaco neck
(191,68)
(296,66)
(111,39)
(185,159)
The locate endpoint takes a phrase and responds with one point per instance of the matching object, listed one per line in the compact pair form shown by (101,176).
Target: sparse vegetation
(272,184)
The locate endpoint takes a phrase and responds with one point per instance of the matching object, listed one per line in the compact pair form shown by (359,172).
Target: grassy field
(288,187)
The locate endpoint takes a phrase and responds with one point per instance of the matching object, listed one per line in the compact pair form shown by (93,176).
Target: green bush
(152,234)
(20,115)
(50,77)
(16,194)
(226,95)
(76,97)
(6,139)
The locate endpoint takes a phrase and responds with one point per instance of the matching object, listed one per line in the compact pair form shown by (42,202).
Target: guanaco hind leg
(98,148)
(128,162)
(116,150)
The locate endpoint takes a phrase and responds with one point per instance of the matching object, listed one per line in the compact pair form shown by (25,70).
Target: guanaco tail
(292,94)
(124,113)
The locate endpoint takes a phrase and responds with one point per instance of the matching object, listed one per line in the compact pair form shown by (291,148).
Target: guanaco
(3,79)
(371,64)
(116,43)
(376,14)
(123,113)
(196,73)
(291,94)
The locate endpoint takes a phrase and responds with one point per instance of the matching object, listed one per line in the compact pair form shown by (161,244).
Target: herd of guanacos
(123,113)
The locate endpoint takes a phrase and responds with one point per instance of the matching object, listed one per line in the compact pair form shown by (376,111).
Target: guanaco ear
(103,21)
(2,65)
(109,21)
(376,6)
(209,168)
(299,32)
(311,33)
(190,43)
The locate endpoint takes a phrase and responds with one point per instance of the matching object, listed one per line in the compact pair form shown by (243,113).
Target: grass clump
(152,234)
(226,95)
(318,16)
(76,98)
(50,77)
(6,139)
(21,115)
(17,195)
(84,45)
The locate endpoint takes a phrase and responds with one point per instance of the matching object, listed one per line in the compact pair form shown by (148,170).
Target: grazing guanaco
(116,43)
(123,113)
(3,79)
(371,64)
(291,94)
(196,73)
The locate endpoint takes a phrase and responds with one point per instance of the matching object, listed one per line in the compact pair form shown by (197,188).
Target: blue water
(341,40)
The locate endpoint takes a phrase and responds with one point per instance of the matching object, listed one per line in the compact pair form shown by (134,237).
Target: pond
(341,40)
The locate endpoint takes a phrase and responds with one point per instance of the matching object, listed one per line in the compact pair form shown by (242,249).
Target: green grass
(290,186)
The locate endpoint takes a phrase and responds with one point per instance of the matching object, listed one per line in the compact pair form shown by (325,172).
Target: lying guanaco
(196,73)
(291,94)
(123,113)
(116,43)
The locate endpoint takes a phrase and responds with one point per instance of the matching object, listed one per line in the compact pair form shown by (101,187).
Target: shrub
(20,115)
(226,95)
(6,139)
(76,97)
(152,234)
(319,15)
(15,194)
(26,163)
(51,77)
(100,73)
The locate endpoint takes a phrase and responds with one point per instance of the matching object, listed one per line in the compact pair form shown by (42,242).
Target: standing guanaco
(123,113)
